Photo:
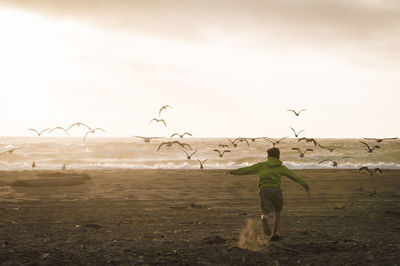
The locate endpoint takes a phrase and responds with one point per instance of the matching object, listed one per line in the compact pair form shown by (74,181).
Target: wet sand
(195,217)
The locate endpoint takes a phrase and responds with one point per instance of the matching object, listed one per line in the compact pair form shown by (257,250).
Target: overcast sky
(228,68)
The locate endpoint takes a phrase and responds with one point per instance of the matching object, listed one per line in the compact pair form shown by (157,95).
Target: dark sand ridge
(199,217)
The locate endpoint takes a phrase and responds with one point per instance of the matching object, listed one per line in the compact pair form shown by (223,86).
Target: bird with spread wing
(371,172)
(274,142)
(181,135)
(59,128)
(78,124)
(308,140)
(91,132)
(163,108)
(334,162)
(189,156)
(202,163)
(380,140)
(158,120)
(169,144)
(10,150)
(296,134)
(39,133)
(146,140)
(296,113)
(221,153)
(370,150)
(301,155)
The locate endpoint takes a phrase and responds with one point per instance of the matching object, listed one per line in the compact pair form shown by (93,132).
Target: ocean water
(133,153)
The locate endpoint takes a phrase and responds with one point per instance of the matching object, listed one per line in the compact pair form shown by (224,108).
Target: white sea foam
(102,153)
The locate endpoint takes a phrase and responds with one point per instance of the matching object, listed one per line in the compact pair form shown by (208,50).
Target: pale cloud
(224,65)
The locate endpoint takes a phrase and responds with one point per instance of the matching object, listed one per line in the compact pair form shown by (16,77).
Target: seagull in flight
(146,140)
(296,134)
(308,140)
(334,163)
(158,120)
(237,140)
(331,149)
(92,131)
(10,150)
(163,108)
(181,135)
(370,150)
(301,155)
(221,153)
(275,142)
(39,132)
(60,128)
(371,172)
(380,140)
(296,113)
(202,163)
(233,143)
(223,145)
(169,144)
(253,139)
(189,156)
(78,124)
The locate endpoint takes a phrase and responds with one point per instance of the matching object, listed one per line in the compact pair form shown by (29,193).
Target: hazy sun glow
(59,71)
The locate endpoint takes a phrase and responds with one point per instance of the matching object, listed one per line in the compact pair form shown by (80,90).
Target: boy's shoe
(275,237)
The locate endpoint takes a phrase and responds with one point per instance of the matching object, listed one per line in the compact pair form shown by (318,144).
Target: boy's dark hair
(274,152)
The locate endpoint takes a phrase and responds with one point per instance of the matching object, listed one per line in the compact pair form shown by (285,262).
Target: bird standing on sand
(380,140)
(169,144)
(60,128)
(181,135)
(221,153)
(37,132)
(11,150)
(189,156)
(371,172)
(33,164)
(202,163)
(64,167)
(92,131)
(158,120)
(163,108)
(78,124)
(298,133)
(301,155)
(296,113)
(370,150)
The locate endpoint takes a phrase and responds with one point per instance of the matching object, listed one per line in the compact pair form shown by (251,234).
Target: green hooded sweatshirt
(270,173)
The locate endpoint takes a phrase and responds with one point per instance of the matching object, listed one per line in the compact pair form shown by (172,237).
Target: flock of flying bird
(77,124)
(224,147)
(40,132)
(274,142)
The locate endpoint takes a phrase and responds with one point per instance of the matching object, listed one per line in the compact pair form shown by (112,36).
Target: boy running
(270,192)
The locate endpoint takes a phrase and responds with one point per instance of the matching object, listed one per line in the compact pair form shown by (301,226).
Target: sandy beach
(195,217)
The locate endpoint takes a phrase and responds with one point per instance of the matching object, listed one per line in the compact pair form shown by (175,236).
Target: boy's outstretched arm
(297,179)
(248,170)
